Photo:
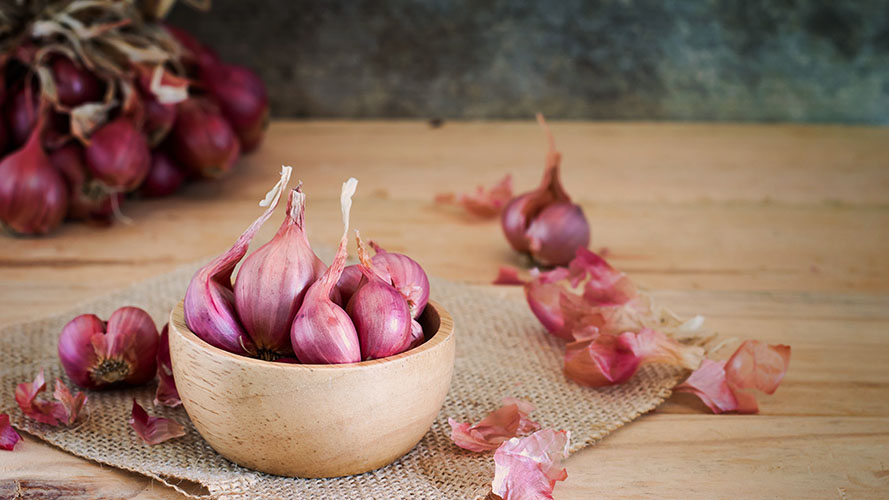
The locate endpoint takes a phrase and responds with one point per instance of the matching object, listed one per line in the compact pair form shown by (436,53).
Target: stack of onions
(286,305)
(99,100)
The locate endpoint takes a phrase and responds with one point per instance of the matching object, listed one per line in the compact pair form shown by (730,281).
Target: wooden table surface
(774,232)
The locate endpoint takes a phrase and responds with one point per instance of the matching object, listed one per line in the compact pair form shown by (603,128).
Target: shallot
(202,140)
(379,312)
(75,85)
(322,331)
(87,199)
(33,195)
(405,274)
(118,155)
(98,355)
(210,300)
(544,223)
(273,280)
(22,112)
(164,177)
(242,98)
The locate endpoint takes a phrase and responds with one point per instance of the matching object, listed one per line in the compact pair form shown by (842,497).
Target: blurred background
(732,60)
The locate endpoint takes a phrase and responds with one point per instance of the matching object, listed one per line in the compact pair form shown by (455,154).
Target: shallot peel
(379,312)
(406,275)
(527,468)
(166,393)
(598,360)
(273,280)
(210,300)
(8,436)
(202,140)
(322,332)
(723,385)
(123,351)
(118,155)
(33,195)
(544,223)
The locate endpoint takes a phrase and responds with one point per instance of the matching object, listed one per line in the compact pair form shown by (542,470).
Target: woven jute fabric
(501,351)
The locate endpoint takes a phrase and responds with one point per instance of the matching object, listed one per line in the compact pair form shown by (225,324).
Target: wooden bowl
(313,420)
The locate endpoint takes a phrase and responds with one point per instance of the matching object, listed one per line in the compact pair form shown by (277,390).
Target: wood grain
(775,232)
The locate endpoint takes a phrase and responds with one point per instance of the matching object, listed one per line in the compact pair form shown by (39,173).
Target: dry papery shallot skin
(544,223)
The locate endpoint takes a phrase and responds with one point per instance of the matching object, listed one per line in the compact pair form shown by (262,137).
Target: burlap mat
(501,351)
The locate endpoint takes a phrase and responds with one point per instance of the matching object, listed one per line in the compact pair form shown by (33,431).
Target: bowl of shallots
(298,369)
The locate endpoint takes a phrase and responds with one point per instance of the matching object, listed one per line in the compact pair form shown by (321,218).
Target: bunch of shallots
(98,100)
(286,305)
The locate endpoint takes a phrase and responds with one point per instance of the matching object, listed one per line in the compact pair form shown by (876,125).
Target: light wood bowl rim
(445,332)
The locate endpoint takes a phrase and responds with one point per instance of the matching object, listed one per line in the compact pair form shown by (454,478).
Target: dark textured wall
(762,60)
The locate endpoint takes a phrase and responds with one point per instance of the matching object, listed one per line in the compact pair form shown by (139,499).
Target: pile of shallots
(97,101)
(287,306)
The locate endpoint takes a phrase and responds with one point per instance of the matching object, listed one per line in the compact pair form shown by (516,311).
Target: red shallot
(164,177)
(322,331)
(242,98)
(98,355)
(273,280)
(74,84)
(544,223)
(118,155)
(405,274)
(379,312)
(33,195)
(210,300)
(202,140)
